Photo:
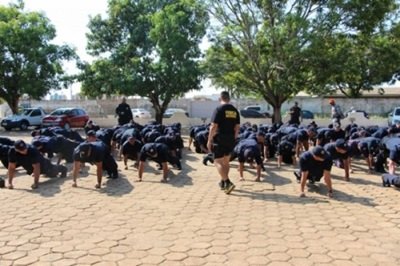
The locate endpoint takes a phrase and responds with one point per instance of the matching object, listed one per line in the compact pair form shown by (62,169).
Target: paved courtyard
(189,221)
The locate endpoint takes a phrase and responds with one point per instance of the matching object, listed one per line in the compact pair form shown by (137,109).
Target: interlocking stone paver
(190,222)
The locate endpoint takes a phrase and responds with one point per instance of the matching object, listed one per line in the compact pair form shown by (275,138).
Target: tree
(147,48)
(277,48)
(29,63)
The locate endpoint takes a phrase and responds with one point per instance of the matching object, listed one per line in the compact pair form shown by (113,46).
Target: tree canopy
(29,63)
(146,48)
(275,49)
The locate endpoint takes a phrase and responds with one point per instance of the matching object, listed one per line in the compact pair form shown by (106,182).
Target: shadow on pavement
(117,187)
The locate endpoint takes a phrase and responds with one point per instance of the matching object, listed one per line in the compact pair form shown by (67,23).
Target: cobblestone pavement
(189,221)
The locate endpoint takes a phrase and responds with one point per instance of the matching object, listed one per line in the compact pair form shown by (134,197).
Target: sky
(70,18)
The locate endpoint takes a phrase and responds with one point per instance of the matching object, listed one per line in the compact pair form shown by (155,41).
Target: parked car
(306,114)
(259,109)
(170,111)
(66,118)
(28,117)
(140,113)
(249,113)
(357,111)
(394,116)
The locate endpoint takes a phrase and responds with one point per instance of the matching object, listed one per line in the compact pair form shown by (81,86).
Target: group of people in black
(49,148)
(290,144)
(222,141)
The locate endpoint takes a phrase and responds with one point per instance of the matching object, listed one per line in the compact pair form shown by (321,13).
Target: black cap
(319,152)
(152,151)
(91,133)
(20,145)
(341,144)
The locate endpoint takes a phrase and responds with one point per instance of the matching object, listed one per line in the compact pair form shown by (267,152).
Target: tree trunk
(13,103)
(159,115)
(276,117)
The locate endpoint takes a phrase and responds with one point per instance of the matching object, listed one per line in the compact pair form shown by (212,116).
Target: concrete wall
(204,108)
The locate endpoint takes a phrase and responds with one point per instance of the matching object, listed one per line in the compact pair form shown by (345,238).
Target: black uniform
(124,113)
(159,153)
(314,167)
(33,156)
(286,149)
(95,152)
(226,117)
(246,151)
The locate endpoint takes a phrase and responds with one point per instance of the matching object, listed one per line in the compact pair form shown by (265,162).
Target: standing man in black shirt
(124,112)
(224,130)
(295,114)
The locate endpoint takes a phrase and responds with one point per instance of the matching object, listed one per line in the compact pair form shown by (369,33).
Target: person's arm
(258,172)
(211,134)
(328,182)
(11,172)
(346,166)
(165,171)
(304,176)
(99,168)
(237,130)
(241,167)
(294,160)
(75,171)
(126,161)
(279,161)
(141,170)
(36,174)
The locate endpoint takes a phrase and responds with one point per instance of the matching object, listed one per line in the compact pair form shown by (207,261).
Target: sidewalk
(189,221)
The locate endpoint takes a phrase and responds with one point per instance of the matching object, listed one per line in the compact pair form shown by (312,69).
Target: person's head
(341,146)
(132,139)
(123,99)
(331,101)
(91,136)
(21,147)
(318,153)
(38,144)
(224,97)
(85,150)
(296,103)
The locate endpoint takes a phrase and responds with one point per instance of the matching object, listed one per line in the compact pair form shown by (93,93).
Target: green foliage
(146,48)
(277,48)
(29,63)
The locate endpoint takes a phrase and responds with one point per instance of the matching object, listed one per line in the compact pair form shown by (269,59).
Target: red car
(66,118)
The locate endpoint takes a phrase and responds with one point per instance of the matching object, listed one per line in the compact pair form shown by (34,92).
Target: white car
(394,116)
(170,111)
(140,113)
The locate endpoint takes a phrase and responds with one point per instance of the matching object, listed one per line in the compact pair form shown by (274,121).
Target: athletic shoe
(222,185)
(229,187)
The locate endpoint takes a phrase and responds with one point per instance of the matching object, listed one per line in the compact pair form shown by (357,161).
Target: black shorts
(223,146)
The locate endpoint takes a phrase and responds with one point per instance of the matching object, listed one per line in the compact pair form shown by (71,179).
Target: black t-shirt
(314,167)
(128,148)
(338,134)
(295,113)
(227,117)
(26,161)
(286,148)
(248,144)
(124,111)
(162,152)
(331,150)
(98,151)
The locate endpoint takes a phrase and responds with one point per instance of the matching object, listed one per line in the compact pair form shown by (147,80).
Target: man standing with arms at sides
(124,112)
(295,114)
(224,130)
